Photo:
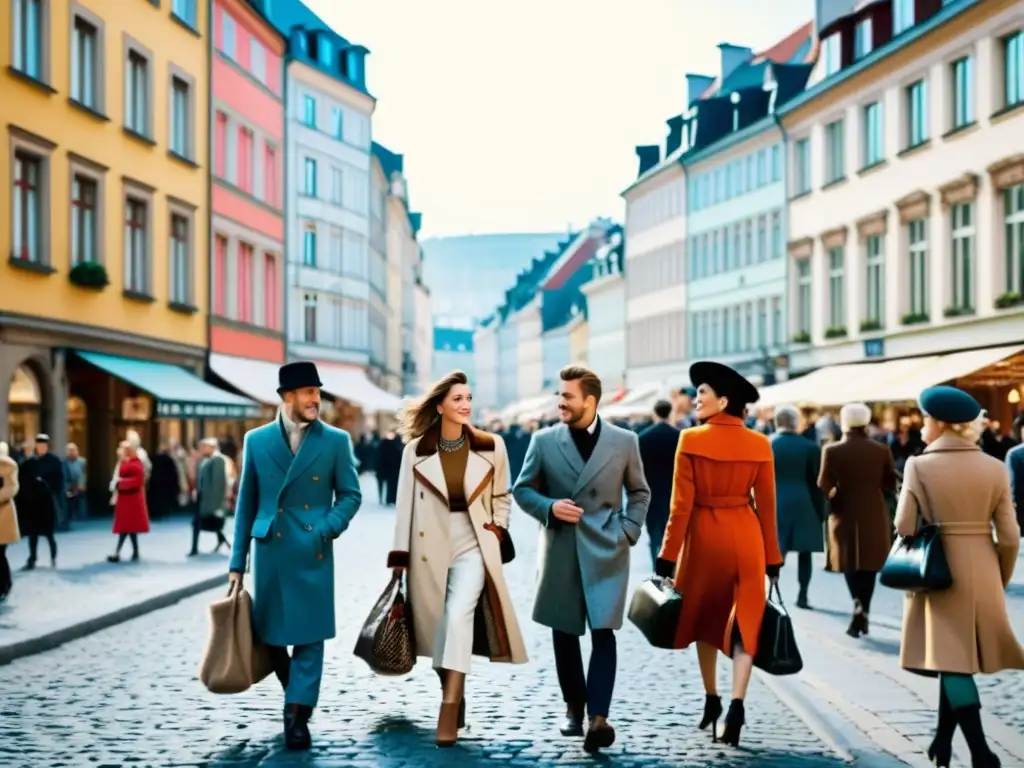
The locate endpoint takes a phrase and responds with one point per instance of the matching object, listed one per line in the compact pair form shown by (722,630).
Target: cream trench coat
(9,532)
(964,629)
(421,541)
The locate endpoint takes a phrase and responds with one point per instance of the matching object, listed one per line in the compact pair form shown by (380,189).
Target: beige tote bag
(234,660)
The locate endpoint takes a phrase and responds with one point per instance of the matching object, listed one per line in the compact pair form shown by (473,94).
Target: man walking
(41,500)
(658,445)
(212,495)
(75,480)
(299,492)
(572,481)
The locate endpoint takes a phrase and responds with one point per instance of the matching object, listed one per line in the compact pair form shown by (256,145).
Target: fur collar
(479,442)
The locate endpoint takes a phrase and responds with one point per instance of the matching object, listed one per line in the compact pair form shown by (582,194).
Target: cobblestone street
(129,695)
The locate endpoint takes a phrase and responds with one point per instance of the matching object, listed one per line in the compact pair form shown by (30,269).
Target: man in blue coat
(299,491)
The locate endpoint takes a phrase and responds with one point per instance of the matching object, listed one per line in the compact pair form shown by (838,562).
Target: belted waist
(974,528)
(720,502)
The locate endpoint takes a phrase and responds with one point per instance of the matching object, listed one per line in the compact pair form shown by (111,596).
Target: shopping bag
(235,659)
(386,642)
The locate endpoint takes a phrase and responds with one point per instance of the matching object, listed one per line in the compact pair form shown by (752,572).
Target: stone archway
(27,398)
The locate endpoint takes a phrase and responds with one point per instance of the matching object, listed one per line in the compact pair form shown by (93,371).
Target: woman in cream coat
(9,532)
(452,512)
(964,630)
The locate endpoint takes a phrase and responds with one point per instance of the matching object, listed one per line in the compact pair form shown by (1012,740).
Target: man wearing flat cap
(299,491)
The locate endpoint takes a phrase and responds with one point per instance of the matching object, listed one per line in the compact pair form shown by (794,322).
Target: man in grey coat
(572,482)
(212,495)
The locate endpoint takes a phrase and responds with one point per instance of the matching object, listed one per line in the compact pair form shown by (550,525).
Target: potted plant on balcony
(954,311)
(835,332)
(801,337)
(866,326)
(1009,299)
(914,318)
(89,274)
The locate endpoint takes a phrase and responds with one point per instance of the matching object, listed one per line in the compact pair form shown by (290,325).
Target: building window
(863,40)
(271,293)
(748,241)
(917,236)
(181,117)
(137,93)
(1013,200)
(727,254)
(762,324)
(716,262)
(271,193)
(917,113)
(246,283)
(136,246)
(803,297)
(1013,69)
(309,246)
(762,168)
(777,320)
(802,167)
(902,16)
(27,208)
(29,40)
(309,177)
(336,186)
(874,137)
(309,110)
(737,245)
(835,151)
(836,288)
(776,236)
(963,92)
(776,163)
(258,60)
(244,159)
(962,281)
(762,238)
(220,144)
(185,10)
(228,34)
(181,267)
(84,232)
(220,276)
(875,309)
(832,53)
(337,125)
(86,83)
(309,318)
(748,327)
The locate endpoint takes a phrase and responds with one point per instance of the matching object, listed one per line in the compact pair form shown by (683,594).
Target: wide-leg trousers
(453,643)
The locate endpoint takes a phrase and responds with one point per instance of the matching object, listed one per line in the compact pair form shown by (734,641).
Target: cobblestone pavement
(129,696)
(84,585)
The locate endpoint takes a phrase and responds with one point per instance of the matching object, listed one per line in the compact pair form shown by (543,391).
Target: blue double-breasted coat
(289,511)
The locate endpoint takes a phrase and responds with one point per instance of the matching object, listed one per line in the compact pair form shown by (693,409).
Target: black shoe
(599,737)
(735,719)
(858,625)
(712,711)
(29,566)
(940,754)
(296,730)
(969,720)
(573,723)
(802,602)
(193,553)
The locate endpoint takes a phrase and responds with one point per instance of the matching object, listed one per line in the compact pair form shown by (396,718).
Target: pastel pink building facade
(247,197)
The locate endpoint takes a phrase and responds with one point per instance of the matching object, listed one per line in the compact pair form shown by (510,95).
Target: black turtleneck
(584,440)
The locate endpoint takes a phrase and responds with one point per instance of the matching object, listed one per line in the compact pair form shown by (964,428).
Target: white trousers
(453,644)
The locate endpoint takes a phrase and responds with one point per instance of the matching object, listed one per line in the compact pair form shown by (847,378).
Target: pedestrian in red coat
(130,515)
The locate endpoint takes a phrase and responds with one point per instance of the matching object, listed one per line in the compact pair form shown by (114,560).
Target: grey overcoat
(583,568)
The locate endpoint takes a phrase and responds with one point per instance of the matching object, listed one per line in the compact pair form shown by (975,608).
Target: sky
(522,116)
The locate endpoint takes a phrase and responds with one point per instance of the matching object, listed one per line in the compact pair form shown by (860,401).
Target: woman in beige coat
(452,512)
(961,631)
(9,532)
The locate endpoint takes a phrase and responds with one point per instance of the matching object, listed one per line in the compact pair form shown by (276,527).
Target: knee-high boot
(969,720)
(941,750)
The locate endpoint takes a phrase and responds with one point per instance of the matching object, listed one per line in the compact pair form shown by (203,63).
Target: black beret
(949,404)
(724,380)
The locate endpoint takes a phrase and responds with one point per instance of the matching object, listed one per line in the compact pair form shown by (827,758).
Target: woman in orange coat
(721,541)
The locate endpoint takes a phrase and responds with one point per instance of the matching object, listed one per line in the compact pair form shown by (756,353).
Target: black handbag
(655,610)
(386,641)
(918,563)
(777,653)
(508,548)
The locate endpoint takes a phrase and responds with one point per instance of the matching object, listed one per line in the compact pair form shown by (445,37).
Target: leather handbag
(386,642)
(918,563)
(655,610)
(508,548)
(777,652)
(235,659)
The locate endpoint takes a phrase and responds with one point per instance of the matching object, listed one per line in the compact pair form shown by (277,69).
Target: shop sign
(874,347)
(167,410)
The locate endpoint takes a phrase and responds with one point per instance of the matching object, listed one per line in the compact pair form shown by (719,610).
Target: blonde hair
(133,438)
(968,430)
(419,415)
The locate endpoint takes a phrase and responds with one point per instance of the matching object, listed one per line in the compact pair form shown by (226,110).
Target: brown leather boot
(448,724)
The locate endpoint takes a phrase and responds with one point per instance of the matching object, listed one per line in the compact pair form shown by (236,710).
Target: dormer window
(902,16)
(863,38)
(326,52)
(354,68)
(831,53)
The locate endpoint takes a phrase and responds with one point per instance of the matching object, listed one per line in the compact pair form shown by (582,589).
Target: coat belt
(970,528)
(721,502)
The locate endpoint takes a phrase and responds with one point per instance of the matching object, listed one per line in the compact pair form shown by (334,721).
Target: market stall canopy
(528,405)
(178,392)
(637,402)
(351,384)
(841,384)
(995,366)
(256,378)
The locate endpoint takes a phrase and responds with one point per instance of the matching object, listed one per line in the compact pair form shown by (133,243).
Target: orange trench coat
(719,534)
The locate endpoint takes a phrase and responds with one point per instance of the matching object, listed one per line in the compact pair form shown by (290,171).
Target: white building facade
(485,365)
(508,360)
(529,369)
(906,228)
(606,315)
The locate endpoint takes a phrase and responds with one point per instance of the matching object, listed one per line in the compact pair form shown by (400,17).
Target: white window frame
(1013,68)
(835,151)
(918,113)
(962,232)
(1013,219)
(837,286)
(309,116)
(872,137)
(863,42)
(801,166)
(917,267)
(832,53)
(804,286)
(874,279)
(309,245)
(309,177)
(902,16)
(962,90)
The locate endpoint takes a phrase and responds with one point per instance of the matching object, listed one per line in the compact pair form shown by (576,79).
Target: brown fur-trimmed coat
(421,541)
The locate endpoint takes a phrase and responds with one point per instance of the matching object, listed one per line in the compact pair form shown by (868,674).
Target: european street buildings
(606,313)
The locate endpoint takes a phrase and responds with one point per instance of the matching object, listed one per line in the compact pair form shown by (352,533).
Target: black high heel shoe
(735,719)
(712,711)
(940,754)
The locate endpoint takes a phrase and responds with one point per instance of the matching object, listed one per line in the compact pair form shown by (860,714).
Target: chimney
(732,57)
(649,156)
(675,134)
(695,86)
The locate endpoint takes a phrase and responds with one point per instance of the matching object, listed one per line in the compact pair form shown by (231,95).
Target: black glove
(772,571)
(666,568)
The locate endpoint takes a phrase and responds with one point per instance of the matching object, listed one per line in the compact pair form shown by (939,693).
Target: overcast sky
(522,116)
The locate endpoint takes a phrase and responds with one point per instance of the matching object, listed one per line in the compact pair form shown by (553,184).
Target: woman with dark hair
(452,514)
(721,541)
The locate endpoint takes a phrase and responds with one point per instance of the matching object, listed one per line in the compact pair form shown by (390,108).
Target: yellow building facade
(104,241)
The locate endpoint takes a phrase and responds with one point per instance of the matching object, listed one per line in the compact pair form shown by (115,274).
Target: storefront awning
(946,368)
(841,384)
(527,405)
(351,384)
(179,393)
(256,378)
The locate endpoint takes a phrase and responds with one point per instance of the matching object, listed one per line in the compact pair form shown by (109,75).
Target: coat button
(308,527)
(279,534)
(316,478)
(279,509)
(307,506)
(421,533)
(424,558)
